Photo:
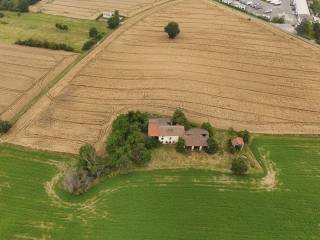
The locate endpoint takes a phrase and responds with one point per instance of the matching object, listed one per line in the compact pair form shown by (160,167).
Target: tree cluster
(315,6)
(114,21)
(45,44)
(4,126)
(180,118)
(16,5)
(127,144)
(95,36)
(309,30)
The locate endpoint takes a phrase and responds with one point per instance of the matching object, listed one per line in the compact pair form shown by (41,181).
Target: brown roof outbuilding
(196,137)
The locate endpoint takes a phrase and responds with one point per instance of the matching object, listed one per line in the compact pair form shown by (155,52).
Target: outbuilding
(196,139)
(237,142)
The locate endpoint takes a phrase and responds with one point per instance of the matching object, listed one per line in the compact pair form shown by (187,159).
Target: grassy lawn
(165,204)
(42,27)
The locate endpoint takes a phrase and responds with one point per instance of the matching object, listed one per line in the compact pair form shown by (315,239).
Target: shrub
(87,158)
(280,20)
(305,29)
(180,146)
(207,126)
(212,146)
(172,29)
(114,21)
(2,15)
(44,44)
(245,135)
(179,118)
(62,27)
(23,6)
(151,142)
(93,32)
(239,166)
(89,44)
(4,126)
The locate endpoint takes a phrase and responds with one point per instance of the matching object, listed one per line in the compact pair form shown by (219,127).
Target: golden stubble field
(222,68)
(24,72)
(91,9)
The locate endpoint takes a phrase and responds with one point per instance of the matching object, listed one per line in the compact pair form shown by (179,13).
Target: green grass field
(42,27)
(185,204)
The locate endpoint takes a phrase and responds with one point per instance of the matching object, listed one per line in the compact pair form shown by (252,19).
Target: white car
(277,3)
(268,11)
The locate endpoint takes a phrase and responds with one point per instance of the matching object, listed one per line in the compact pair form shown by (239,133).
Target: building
(165,130)
(107,15)
(196,139)
(302,9)
(237,142)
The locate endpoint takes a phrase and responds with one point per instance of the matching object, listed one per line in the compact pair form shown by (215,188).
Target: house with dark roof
(165,130)
(196,139)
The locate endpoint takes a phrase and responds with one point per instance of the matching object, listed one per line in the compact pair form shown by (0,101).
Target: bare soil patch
(222,68)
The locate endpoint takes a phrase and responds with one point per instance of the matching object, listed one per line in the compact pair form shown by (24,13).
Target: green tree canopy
(213,146)
(114,21)
(180,118)
(172,29)
(207,126)
(180,146)
(239,166)
(87,158)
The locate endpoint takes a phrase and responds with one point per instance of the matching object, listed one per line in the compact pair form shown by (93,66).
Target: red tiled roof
(153,129)
(238,141)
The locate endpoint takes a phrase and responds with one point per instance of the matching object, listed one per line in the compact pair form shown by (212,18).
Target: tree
(4,126)
(315,6)
(207,126)
(93,32)
(212,146)
(239,166)
(172,29)
(114,21)
(87,158)
(23,6)
(305,29)
(245,135)
(180,146)
(180,118)
(151,142)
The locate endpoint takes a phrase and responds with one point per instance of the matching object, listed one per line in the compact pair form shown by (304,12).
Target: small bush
(280,20)
(93,32)
(89,44)
(245,135)
(172,29)
(180,146)
(62,27)
(2,15)
(239,166)
(212,146)
(4,126)
(151,142)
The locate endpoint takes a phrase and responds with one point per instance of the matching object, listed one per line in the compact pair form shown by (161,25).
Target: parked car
(268,11)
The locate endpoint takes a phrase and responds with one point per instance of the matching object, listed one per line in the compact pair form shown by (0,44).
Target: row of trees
(45,44)
(95,36)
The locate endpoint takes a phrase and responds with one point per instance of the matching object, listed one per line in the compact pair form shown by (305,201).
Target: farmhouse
(237,142)
(165,130)
(196,139)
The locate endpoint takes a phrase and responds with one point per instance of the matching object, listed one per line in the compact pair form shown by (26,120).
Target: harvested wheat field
(90,9)
(24,73)
(222,68)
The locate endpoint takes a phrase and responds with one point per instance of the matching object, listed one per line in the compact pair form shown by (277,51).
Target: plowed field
(24,72)
(223,68)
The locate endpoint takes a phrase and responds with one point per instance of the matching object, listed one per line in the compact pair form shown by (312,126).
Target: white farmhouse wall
(168,139)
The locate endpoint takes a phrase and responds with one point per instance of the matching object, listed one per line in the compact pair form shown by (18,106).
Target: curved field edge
(144,205)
